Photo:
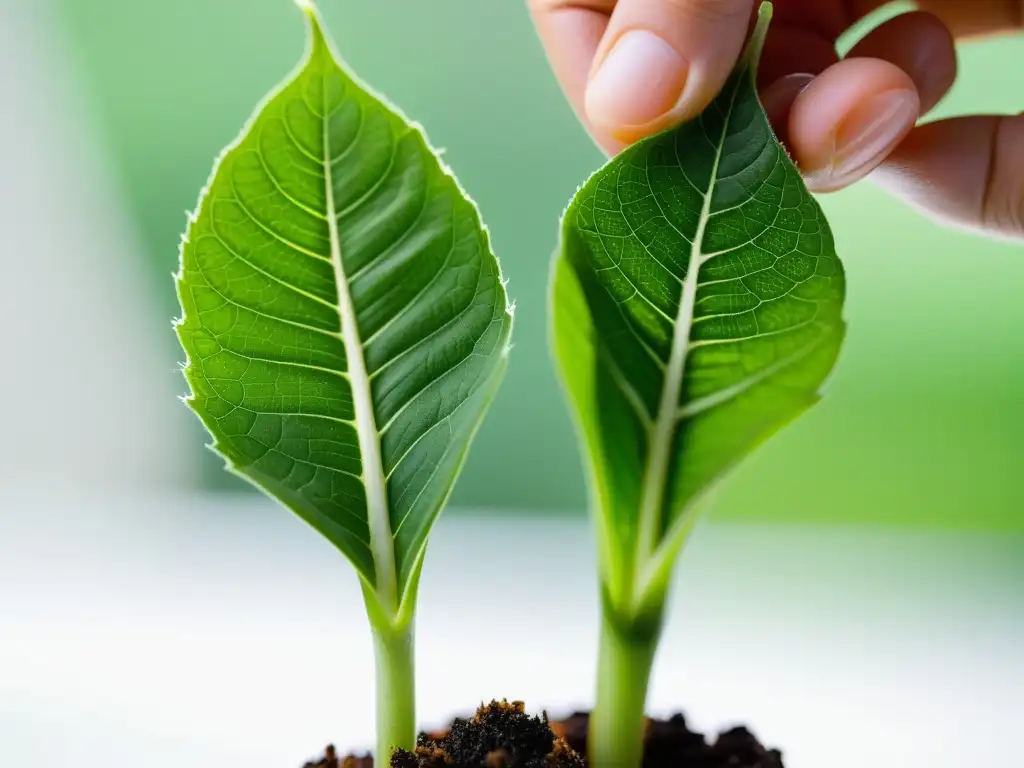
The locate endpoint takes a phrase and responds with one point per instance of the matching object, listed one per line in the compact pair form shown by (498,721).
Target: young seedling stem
(315,286)
(697,308)
(624,669)
(394,660)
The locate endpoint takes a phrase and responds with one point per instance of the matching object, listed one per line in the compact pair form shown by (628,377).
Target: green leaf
(696,309)
(344,317)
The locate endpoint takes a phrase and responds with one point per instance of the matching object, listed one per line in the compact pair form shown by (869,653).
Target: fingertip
(848,119)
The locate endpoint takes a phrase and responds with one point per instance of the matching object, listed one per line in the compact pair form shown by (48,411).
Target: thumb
(662,61)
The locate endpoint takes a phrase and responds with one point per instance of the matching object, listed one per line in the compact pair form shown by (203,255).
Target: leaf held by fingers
(696,309)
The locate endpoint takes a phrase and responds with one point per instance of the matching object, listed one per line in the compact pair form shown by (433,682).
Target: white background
(195,632)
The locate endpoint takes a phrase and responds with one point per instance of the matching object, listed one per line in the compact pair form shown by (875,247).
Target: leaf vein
(236,255)
(235,198)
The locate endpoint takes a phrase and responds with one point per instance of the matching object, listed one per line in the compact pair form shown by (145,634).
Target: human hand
(631,68)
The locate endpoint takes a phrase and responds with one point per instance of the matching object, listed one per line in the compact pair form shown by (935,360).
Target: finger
(792,56)
(802,41)
(919,44)
(662,61)
(977,18)
(778,99)
(570,33)
(791,49)
(849,119)
(967,171)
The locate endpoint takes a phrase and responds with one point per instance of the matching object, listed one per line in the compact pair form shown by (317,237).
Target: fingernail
(640,79)
(778,97)
(865,135)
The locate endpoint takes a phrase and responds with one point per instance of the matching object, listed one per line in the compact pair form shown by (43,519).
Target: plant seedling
(696,307)
(346,327)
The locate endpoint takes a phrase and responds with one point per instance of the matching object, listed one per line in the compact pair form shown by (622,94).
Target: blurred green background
(923,421)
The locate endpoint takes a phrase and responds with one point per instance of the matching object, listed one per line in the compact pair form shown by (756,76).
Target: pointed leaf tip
(318,41)
(752,56)
(764,18)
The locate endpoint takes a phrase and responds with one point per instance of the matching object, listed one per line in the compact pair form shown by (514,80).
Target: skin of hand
(631,68)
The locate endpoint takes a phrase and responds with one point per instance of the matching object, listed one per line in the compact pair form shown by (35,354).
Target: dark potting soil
(502,735)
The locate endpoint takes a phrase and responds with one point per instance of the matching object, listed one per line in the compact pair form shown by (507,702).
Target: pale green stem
(396,690)
(625,658)
(394,657)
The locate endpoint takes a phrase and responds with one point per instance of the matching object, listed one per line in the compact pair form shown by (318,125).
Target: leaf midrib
(663,427)
(372,475)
